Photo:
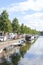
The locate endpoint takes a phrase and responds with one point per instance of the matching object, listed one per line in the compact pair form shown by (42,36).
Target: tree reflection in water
(24,49)
(17,56)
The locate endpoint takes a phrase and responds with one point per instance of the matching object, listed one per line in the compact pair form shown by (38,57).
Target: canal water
(29,54)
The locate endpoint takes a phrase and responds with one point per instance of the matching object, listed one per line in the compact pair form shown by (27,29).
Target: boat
(29,38)
(35,36)
(20,43)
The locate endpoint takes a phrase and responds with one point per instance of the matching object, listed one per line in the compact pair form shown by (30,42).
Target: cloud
(34,20)
(36,5)
(27,5)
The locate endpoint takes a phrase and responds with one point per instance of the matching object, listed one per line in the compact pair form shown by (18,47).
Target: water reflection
(24,49)
(34,56)
(15,58)
(30,54)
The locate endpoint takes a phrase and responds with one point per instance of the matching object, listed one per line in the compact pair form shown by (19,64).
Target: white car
(11,35)
(3,38)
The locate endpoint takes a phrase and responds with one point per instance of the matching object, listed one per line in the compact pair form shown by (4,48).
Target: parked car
(3,37)
(12,36)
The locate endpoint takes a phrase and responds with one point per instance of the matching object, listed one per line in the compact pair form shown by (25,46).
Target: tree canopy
(5,23)
(15,25)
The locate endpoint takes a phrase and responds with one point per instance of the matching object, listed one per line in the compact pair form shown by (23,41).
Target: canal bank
(28,38)
(9,45)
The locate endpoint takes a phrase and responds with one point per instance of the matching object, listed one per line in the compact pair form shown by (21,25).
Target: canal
(29,54)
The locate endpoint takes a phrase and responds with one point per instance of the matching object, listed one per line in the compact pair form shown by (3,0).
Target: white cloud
(36,15)
(26,5)
(34,21)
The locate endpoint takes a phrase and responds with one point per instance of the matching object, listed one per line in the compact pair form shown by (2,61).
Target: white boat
(29,38)
(20,42)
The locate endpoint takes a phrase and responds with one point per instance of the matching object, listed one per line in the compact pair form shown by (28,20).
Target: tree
(34,31)
(15,25)
(22,28)
(26,29)
(5,23)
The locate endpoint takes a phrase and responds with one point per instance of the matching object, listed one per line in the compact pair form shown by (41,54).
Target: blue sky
(8,2)
(29,12)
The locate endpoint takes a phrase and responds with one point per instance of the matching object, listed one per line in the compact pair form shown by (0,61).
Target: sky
(29,12)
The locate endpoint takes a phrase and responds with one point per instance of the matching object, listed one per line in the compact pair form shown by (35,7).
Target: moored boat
(29,38)
(20,42)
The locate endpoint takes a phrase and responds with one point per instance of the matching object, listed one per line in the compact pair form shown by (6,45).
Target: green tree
(26,29)
(22,28)
(15,25)
(34,31)
(5,23)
